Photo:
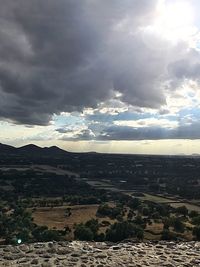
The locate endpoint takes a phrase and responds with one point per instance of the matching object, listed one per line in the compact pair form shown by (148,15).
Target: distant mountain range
(32,150)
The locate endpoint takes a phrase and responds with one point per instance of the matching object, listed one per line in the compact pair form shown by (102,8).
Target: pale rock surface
(91,254)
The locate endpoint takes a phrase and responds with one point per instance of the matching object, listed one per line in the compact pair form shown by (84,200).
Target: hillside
(84,254)
(31,149)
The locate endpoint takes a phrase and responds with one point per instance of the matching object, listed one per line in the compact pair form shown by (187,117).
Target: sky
(97,75)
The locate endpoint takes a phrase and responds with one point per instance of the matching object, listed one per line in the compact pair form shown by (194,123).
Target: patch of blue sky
(193,112)
(138,116)
(169,117)
(68,119)
(198,45)
(191,94)
(133,116)
(127,116)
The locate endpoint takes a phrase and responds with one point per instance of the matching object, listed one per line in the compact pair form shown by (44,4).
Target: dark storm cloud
(127,133)
(45,54)
(66,55)
(114,133)
(189,131)
(187,67)
(63,56)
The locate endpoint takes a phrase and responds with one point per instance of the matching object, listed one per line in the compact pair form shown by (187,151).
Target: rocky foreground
(85,254)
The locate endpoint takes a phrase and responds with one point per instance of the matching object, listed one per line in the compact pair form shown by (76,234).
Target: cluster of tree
(149,209)
(88,231)
(196,232)
(175,222)
(123,230)
(116,232)
(196,220)
(18,224)
(133,215)
(182,210)
(29,184)
(112,212)
(83,200)
(195,217)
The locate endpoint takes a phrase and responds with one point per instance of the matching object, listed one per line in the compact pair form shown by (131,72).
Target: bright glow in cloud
(174,20)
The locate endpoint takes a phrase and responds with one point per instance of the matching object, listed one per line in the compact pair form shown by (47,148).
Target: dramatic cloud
(81,70)
(127,133)
(64,56)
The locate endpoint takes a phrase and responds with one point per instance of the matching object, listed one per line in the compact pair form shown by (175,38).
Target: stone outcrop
(91,254)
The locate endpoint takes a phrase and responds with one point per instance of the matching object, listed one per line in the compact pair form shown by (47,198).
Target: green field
(157,199)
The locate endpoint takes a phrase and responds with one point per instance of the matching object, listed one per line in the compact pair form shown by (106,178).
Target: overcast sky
(102,75)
